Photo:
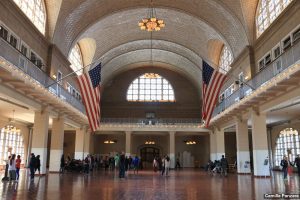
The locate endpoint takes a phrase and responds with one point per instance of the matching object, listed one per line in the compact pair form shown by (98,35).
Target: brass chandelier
(151,23)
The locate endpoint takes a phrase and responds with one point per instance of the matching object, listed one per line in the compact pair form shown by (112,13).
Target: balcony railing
(277,66)
(15,57)
(144,121)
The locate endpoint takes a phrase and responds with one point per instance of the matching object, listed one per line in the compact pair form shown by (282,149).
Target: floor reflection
(184,184)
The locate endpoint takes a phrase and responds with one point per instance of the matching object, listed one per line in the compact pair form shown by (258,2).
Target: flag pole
(71,73)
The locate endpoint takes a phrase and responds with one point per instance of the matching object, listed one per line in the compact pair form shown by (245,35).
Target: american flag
(212,82)
(89,84)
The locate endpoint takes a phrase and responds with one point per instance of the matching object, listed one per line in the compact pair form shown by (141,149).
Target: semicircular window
(35,11)
(150,87)
(287,144)
(267,12)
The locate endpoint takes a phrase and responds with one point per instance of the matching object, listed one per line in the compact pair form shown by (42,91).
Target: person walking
(32,164)
(18,166)
(62,164)
(38,164)
(284,164)
(297,164)
(12,168)
(224,165)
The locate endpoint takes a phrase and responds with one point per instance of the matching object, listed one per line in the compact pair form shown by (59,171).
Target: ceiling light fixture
(190,142)
(110,141)
(151,23)
(149,142)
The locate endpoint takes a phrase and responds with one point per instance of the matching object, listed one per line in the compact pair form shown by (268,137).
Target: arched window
(287,144)
(267,12)
(11,142)
(225,60)
(35,11)
(150,87)
(76,59)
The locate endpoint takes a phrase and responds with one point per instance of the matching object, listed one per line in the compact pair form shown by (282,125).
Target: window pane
(267,12)
(150,87)
(35,11)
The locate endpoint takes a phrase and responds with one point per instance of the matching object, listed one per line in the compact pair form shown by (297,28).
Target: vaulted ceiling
(195,30)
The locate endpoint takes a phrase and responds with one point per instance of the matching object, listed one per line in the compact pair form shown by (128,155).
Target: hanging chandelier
(151,23)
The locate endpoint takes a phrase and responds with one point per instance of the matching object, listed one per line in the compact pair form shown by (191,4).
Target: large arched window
(225,60)
(267,12)
(287,144)
(76,59)
(35,11)
(150,87)
(11,142)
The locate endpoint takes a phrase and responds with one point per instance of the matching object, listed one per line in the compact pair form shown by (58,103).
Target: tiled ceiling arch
(81,15)
(140,58)
(190,25)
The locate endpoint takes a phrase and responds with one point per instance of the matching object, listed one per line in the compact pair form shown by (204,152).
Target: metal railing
(154,121)
(277,66)
(15,57)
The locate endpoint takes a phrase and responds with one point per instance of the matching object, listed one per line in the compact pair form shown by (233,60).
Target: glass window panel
(35,11)
(75,59)
(267,12)
(150,87)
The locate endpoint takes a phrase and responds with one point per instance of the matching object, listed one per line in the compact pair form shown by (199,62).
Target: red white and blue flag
(89,84)
(212,82)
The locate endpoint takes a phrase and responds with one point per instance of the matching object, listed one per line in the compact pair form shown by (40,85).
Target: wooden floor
(184,184)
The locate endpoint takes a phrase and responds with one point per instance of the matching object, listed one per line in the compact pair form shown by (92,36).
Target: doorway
(147,156)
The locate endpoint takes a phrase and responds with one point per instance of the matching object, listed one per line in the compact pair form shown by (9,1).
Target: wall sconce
(54,76)
(110,141)
(246,77)
(190,142)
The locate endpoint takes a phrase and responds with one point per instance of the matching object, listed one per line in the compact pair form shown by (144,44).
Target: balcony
(19,61)
(278,75)
(144,124)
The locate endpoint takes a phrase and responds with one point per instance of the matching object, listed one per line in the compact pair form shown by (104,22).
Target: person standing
(38,164)
(18,166)
(12,168)
(284,164)
(136,165)
(167,165)
(224,165)
(177,166)
(163,163)
(32,164)
(155,164)
(62,164)
(117,159)
(122,166)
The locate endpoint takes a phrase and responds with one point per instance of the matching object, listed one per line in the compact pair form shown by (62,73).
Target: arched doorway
(148,154)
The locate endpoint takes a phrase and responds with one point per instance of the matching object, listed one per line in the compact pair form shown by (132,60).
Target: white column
(217,144)
(172,149)
(128,143)
(57,144)
(242,146)
(40,137)
(79,143)
(260,144)
(213,146)
(87,144)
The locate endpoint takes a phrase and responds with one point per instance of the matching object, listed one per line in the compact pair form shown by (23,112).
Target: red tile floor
(183,184)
